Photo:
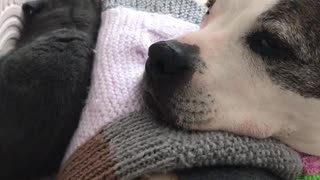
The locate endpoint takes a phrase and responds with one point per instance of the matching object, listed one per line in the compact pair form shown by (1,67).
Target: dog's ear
(31,7)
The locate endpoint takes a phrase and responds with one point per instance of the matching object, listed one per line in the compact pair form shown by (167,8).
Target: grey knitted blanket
(138,144)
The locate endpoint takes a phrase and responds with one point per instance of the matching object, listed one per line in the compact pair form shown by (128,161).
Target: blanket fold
(138,144)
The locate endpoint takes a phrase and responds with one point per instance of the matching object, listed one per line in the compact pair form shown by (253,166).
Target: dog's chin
(163,112)
(180,117)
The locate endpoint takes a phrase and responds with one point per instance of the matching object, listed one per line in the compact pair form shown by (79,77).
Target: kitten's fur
(43,85)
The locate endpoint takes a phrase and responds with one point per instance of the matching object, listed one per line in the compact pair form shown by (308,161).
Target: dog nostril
(159,67)
(168,58)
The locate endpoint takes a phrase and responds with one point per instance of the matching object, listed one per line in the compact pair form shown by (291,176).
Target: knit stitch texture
(11,24)
(138,144)
(187,10)
(122,49)
(314,177)
(311,165)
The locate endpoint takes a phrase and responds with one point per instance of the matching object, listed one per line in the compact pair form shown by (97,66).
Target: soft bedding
(118,138)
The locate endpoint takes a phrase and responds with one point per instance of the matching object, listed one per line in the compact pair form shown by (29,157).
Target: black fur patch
(210,3)
(43,85)
(294,62)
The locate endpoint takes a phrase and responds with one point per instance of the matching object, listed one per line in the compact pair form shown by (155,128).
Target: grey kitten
(43,85)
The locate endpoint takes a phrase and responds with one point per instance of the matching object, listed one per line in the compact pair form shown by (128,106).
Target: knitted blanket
(135,145)
(138,144)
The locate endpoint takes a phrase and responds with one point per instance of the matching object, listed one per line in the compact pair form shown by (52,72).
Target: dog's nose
(169,59)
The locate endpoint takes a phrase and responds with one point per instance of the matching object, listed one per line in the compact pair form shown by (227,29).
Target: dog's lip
(160,114)
(165,114)
(157,110)
(148,64)
(152,104)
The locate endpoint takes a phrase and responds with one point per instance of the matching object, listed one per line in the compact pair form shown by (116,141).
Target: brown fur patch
(91,161)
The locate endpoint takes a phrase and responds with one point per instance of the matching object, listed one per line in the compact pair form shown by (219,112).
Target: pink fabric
(122,48)
(311,165)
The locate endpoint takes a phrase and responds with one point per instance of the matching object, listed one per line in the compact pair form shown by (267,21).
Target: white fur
(201,1)
(247,102)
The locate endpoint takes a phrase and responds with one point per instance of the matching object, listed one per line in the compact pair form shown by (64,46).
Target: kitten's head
(43,16)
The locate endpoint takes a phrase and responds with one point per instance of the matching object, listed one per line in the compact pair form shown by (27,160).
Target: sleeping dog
(253,69)
(43,85)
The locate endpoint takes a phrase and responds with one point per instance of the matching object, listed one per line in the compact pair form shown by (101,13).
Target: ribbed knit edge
(187,10)
(314,177)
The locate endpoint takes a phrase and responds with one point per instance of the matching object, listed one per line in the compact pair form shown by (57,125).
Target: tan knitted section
(92,161)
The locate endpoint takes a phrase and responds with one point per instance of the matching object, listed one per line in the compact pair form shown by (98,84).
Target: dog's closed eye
(209,4)
(268,45)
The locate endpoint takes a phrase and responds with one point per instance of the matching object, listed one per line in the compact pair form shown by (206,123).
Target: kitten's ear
(31,7)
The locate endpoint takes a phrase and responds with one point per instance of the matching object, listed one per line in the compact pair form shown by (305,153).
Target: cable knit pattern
(10,24)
